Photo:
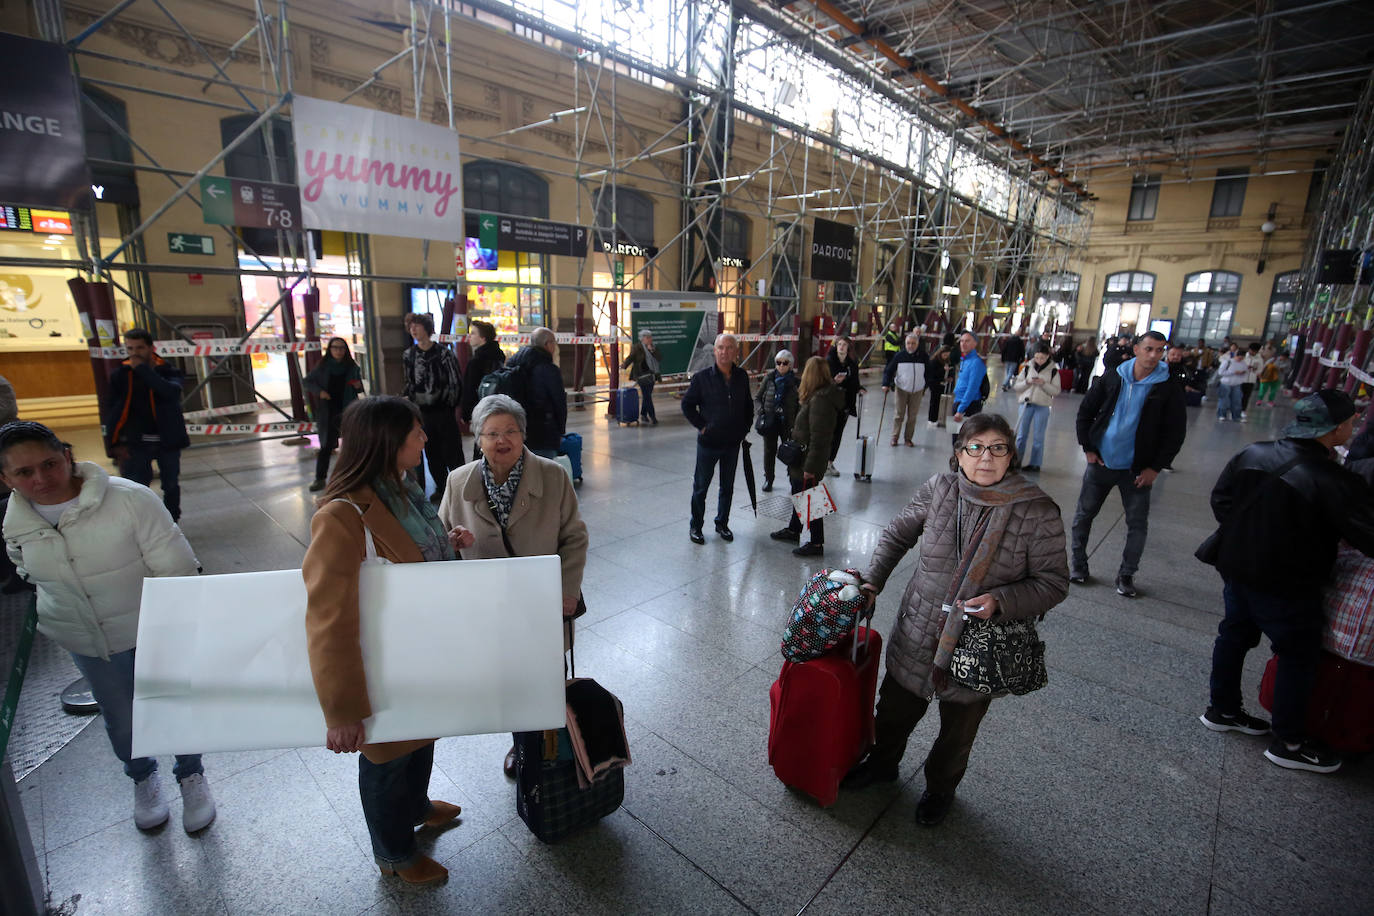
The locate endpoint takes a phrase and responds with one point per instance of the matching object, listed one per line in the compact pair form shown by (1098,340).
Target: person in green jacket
(336,382)
(821,403)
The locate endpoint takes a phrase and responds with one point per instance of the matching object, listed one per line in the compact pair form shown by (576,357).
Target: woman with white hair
(777,403)
(513,503)
(643,363)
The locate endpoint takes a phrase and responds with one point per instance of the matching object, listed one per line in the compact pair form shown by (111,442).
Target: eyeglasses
(783,362)
(996,450)
(508,435)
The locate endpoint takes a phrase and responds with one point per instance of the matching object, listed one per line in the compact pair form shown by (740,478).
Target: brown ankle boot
(424,870)
(440,813)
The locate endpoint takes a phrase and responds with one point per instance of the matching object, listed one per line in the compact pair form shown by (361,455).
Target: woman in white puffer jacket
(87,541)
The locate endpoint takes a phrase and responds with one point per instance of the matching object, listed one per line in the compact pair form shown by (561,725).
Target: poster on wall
(362,170)
(832,251)
(42,146)
(684,326)
(36,304)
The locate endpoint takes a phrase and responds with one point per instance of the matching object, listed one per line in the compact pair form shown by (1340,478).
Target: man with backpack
(533,378)
(971,387)
(486,358)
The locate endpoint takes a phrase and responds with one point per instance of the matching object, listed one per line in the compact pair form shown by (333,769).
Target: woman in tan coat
(370,491)
(1019,570)
(513,503)
(822,404)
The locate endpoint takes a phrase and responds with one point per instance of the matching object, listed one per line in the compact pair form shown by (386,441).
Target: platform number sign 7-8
(258,204)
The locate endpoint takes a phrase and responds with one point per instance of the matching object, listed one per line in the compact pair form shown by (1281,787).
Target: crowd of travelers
(1294,546)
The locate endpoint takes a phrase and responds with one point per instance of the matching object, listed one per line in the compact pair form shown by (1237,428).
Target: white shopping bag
(813,503)
(462,647)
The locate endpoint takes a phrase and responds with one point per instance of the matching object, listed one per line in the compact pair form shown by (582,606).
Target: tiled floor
(1101,793)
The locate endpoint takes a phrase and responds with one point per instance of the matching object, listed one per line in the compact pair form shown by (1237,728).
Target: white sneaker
(150,808)
(197,805)
(1244,415)
(831,471)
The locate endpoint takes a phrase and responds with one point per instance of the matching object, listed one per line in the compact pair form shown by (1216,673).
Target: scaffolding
(923,192)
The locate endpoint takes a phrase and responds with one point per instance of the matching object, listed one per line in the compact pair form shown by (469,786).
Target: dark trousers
(899,710)
(395,797)
(817,526)
(841,420)
(770,456)
(444,450)
(646,397)
(1294,627)
(1081,377)
(1098,481)
(936,392)
(138,467)
(1246,389)
(329,440)
(707,459)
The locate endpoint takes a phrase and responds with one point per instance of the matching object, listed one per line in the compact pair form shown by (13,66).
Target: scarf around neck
(416,516)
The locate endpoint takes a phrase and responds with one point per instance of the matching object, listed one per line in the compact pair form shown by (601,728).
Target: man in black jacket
(1130,425)
(545,400)
(1283,507)
(1013,355)
(487,357)
(144,420)
(434,381)
(719,405)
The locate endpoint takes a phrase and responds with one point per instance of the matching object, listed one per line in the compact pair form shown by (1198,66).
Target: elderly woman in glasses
(1018,570)
(513,503)
(777,410)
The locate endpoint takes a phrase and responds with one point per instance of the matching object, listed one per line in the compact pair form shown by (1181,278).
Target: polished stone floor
(1100,794)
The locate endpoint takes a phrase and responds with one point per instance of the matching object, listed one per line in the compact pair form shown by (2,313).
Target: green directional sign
(186,243)
(217,200)
(488,234)
(619,273)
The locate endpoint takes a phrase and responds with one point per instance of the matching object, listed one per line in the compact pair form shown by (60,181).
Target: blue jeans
(1228,398)
(646,395)
(1098,481)
(1011,374)
(138,467)
(707,459)
(1294,627)
(112,683)
(1030,427)
(395,797)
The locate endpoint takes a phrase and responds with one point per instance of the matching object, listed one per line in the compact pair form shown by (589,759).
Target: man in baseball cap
(1283,507)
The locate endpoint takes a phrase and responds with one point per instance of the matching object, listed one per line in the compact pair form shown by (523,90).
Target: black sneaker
(1079,575)
(725,533)
(696,536)
(809,550)
(786,534)
(1233,722)
(1125,586)
(933,808)
(865,775)
(1309,756)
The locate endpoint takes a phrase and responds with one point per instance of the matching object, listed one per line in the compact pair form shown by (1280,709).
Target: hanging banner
(684,326)
(362,170)
(832,251)
(42,146)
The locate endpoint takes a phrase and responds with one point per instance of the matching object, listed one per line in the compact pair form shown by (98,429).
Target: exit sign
(186,243)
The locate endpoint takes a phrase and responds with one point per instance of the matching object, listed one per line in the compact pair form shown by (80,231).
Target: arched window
(1126,303)
(625,215)
(116,183)
(735,230)
(1281,305)
(1208,305)
(506,287)
(1056,301)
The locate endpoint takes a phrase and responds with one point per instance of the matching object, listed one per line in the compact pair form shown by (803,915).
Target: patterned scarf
(503,496)
(417,517)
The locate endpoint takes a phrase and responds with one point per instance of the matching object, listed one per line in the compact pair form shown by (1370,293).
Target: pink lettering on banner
(381,174)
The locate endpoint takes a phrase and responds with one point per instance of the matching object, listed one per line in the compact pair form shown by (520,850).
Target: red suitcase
(1340,712)
(1065,379)
(822,716)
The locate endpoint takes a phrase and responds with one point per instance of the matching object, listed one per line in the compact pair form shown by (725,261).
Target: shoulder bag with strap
(370,552)
(1209,551)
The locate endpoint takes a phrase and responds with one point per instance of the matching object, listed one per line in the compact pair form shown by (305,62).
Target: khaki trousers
(908,407)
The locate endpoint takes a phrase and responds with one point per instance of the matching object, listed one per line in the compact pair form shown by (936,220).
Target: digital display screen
(477,257)
(15,219)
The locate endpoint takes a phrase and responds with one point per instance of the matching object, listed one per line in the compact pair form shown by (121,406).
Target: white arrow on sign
(214,191)
(487,223)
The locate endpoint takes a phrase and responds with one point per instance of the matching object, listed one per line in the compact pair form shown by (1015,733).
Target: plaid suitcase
(547,796)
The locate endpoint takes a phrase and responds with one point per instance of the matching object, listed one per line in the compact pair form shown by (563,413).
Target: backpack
(984,389)
(510,380)
(827,610)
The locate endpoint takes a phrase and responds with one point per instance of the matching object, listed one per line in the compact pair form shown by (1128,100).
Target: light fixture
(1268,226)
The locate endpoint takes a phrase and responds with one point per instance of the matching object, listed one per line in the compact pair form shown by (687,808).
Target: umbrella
(749,477)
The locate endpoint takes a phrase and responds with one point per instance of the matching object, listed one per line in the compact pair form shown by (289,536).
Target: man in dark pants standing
(719,405)
(1130,425)
(144,420)
(434,381)
(1283,508)
(543,396)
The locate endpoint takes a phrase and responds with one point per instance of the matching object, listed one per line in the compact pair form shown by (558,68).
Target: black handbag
(997,657)
(791,453)
(1209,551)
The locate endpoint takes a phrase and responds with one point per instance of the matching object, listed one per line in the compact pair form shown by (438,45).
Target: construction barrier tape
(235,429)
(222,411)
(222,346)
(21,666)
(1364,377)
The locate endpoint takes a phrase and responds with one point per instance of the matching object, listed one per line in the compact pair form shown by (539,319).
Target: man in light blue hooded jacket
(1130,425)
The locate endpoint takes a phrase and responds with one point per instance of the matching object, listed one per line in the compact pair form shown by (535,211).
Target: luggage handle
(854,640)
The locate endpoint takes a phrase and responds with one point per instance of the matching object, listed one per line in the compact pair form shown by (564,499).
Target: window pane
(1226,283)
(1228,192)
(1118,283)
(1142,283)
(1198,283)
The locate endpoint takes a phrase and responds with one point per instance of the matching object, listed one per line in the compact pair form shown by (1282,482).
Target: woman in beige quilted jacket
(1019,570)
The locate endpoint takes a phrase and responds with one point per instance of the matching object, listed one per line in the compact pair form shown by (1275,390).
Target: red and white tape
(229,411)
(222,346)
(228,429)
